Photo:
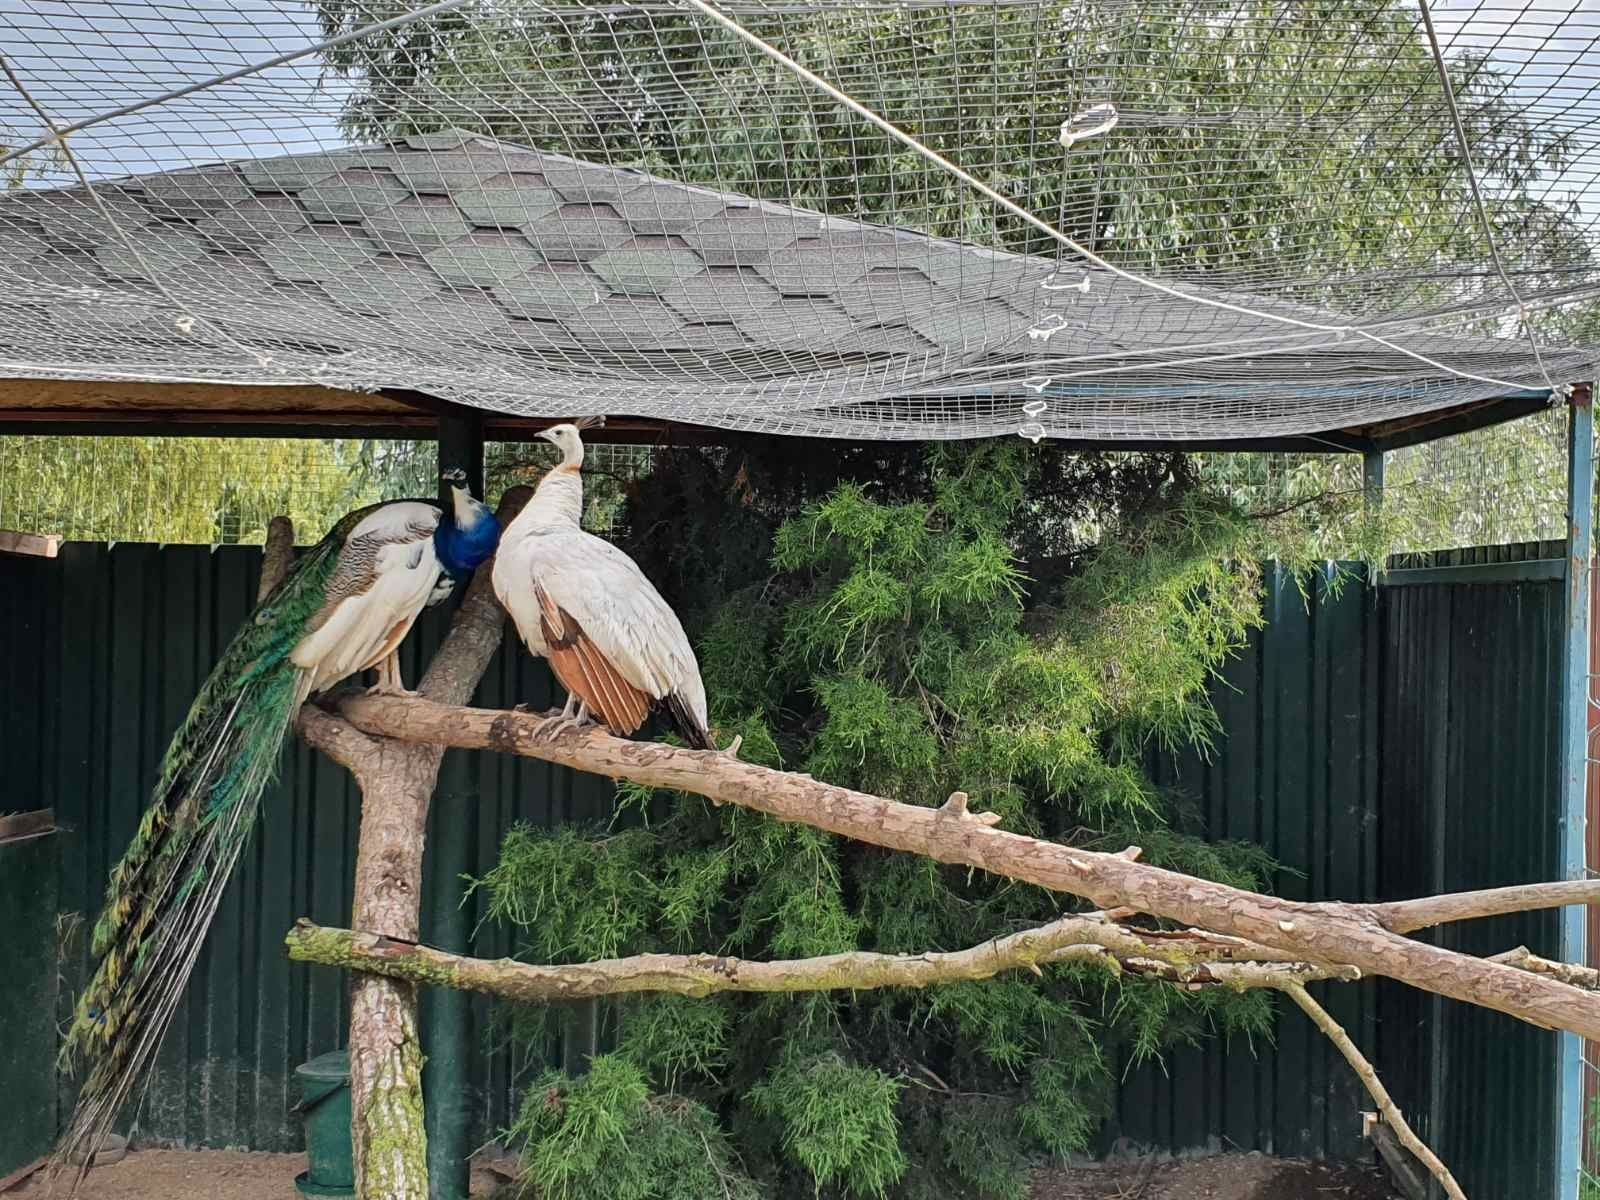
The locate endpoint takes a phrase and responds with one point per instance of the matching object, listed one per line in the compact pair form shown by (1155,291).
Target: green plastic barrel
(325,1107)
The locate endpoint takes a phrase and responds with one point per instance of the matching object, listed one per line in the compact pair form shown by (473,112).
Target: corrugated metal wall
(1297,772)
(1471,680)
(1451,689)
(1384,746)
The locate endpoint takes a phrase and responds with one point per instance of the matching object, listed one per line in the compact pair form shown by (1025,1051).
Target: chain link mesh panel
(1266,216)
(213,491)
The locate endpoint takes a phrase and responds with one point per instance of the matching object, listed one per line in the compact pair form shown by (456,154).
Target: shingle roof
(527,282)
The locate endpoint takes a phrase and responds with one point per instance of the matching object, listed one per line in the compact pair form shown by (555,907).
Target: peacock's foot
(529,710)
(558,725)
(390,689)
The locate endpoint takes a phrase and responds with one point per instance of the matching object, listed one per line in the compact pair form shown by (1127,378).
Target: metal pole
(447,1032)
(1372,479)
(1575,764)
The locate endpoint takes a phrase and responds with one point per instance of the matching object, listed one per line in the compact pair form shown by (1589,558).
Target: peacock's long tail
(162,896)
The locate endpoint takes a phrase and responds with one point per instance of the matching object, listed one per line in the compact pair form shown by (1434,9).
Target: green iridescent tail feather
(162,896)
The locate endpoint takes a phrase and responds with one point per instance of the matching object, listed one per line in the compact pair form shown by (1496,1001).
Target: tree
(191,490)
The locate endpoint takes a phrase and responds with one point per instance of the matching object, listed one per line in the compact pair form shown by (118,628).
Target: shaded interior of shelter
(1382,742)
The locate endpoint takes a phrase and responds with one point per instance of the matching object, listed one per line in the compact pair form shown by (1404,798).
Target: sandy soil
(229,1175)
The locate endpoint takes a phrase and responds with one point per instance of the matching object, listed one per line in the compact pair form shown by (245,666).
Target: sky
(82,57)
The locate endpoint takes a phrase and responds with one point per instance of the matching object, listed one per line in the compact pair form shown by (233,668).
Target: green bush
(1019,624)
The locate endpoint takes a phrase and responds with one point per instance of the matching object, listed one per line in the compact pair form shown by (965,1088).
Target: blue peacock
(345,606)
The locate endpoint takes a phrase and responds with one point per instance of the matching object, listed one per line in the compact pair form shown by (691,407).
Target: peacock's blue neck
(464,541)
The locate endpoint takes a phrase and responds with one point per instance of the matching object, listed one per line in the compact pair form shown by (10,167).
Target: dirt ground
(201,1175)
(227,1175)
(1223,1177)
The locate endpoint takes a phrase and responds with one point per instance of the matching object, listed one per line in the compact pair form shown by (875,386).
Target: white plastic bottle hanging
(1089,122)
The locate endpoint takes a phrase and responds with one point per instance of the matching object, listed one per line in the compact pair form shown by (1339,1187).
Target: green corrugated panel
(1472,678)
(133,630)
(1296,771)
(28,997)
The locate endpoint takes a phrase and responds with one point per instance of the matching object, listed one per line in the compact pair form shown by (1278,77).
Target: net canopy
(1173,221)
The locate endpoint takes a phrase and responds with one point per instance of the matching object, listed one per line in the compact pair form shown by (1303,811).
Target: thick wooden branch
(337,738)
(397,782)
(1326,933)
(1087,939)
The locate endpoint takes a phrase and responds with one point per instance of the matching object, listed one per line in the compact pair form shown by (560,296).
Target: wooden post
(1372,480)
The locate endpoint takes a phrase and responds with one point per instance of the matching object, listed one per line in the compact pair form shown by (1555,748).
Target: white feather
(404,573)
(606,593)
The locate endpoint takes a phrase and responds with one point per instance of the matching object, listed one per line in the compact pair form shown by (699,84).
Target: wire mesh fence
(1179,218)
(1489,487)
(215,491)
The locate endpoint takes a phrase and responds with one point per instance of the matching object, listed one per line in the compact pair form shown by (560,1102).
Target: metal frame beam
(1575,765)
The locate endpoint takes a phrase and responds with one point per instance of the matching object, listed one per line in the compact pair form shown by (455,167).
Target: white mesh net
(1267,224)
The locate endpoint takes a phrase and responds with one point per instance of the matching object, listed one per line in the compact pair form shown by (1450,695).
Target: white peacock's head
(565,438)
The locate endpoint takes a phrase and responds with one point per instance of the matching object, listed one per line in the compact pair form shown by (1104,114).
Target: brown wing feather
(585,671)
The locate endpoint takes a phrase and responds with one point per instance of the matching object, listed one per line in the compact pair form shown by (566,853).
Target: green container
(325,1105)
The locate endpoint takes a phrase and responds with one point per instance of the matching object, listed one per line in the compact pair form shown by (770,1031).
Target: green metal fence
(1384,742)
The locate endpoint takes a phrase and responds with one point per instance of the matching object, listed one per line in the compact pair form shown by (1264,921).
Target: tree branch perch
(1363,936)
(1082,938)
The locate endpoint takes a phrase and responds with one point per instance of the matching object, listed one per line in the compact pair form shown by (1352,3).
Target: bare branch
(1325,933)
(1380,1094)
(1086,938)
(1587,978)
(337,738)
(277,556)
(1407,916)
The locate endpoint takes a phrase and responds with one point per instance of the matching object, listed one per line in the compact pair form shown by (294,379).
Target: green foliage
(1026,625)
(197,490)
(605,1137)
(1343,187)
(838,1120)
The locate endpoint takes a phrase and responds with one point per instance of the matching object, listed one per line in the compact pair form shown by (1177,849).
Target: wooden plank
(22,1172)
(61,399)
(40,545)
(27,824)
(1408,1174)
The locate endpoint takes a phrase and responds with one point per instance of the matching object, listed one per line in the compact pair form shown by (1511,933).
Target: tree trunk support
(447,1029)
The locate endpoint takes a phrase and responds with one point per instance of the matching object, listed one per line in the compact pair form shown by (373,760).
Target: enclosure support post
(1372,480)
(447,1032)
(1575,764)
(461,445)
